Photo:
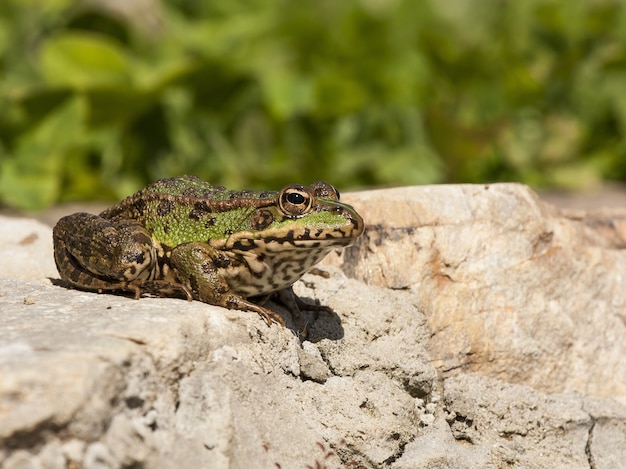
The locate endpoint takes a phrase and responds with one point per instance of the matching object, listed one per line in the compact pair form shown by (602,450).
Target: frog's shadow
(311,326)
(315,325)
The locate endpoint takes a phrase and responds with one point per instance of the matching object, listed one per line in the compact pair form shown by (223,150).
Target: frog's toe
(271,317)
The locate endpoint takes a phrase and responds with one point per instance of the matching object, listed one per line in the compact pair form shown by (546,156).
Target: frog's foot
(270,316)
(232,301)
(131,287)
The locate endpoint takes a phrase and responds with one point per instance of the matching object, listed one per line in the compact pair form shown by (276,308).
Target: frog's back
(186,208)
(193,187)
(184,186)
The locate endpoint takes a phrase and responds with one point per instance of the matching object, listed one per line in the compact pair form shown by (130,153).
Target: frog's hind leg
(97,254)
(198,262)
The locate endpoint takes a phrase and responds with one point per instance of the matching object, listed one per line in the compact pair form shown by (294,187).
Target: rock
(156,380)
(506,425)
(26,250)
(387,380)
(510,287)
(312,365)
(607,444)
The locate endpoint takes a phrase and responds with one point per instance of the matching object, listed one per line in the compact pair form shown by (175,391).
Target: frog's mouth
(297,238)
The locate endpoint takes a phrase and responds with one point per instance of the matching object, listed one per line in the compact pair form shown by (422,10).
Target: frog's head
(301,217)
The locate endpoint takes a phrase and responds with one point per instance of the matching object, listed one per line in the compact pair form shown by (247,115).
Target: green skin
(185,237)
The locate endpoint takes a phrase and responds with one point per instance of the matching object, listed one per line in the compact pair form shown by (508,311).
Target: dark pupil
(295,198)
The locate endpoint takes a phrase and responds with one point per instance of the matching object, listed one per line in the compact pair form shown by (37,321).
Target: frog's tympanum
(185,237)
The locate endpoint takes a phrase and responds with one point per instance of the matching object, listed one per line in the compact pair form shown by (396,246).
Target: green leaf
(83,60)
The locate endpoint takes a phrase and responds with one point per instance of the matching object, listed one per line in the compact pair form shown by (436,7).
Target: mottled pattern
(185,237)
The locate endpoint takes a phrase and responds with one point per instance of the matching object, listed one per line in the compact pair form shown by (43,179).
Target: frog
(184,237)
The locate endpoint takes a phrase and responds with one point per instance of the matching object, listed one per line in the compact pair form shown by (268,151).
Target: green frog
(185,237)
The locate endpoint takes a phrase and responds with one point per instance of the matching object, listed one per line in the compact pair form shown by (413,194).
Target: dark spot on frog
(219,262)
(195,214)
(261,219)
(165,207)
(228,232)
(289,237)
(140,207)
(244,245)
(204,193)
(74,275)
(193,282)
(166,228)
(189,192)
(207,268)
(210,222)
(201,206)
(136,258)
(355,223)
(241,194)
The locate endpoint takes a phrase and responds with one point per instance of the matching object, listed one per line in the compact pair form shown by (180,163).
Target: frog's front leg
(200,263)
(96,254)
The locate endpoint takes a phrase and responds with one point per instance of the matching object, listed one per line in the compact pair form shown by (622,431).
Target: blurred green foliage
(98,98)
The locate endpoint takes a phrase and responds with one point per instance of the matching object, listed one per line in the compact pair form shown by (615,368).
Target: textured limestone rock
(511,288)
(488,423)
(388,380)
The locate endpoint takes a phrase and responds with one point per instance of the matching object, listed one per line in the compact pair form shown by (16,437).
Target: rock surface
(510,287)
(473,326)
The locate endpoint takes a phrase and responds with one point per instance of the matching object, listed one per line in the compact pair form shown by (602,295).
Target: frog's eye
(295,198)
(294,201)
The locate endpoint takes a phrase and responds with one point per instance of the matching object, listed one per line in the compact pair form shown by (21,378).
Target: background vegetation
(98,98)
